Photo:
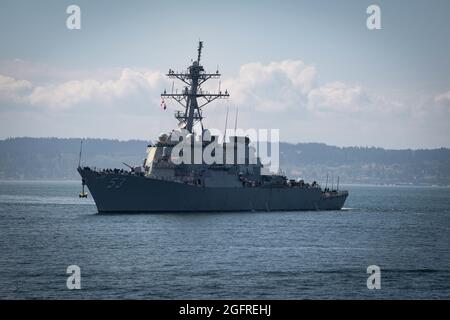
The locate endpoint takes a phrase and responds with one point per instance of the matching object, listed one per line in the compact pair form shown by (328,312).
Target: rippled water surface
(45,227)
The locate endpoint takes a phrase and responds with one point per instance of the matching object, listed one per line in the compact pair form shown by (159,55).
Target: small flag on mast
(163,104)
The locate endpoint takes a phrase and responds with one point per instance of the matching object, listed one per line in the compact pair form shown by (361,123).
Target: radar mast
(193,78)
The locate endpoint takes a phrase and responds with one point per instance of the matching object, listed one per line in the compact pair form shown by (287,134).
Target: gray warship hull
(128,193)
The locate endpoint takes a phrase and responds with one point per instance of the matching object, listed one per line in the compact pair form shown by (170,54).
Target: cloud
(272,87)
(130,84)
(68,94)
(443,100)
(292,84)
(338,96)
(13,89)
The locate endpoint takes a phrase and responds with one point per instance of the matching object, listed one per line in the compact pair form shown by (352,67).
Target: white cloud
(13,89)
(293,84)
(337,96)
(443,100)
(141,83)
(68,94)
(272,87)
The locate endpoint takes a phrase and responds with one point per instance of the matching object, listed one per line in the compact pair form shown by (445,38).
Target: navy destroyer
(164,184)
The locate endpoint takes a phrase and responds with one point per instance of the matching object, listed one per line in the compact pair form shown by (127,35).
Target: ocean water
(45,227)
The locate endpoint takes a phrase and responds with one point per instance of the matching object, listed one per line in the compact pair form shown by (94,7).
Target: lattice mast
(193,78)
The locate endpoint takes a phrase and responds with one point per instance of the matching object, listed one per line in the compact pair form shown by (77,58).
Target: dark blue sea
(45,227)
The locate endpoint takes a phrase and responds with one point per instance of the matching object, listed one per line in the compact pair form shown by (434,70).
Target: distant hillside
(366,165)
(54,158)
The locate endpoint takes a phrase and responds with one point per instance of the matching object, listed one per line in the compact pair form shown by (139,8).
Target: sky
(309,68)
